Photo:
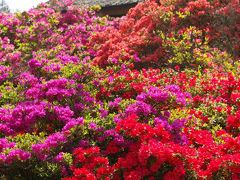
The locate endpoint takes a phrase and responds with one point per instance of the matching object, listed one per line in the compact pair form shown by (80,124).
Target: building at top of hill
(114,8)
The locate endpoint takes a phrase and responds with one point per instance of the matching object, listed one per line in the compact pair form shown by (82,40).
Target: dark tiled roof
(107,3)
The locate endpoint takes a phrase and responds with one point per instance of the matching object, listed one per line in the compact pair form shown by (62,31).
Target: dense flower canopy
(152,95)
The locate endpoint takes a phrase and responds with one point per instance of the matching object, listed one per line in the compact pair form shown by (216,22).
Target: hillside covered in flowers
(152,95)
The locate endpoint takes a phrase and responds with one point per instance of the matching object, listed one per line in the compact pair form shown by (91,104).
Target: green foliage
(9,94)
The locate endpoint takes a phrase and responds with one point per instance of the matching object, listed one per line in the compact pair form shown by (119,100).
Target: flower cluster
(89,164)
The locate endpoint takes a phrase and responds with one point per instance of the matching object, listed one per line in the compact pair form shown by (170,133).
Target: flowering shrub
(151,95)
(158,33)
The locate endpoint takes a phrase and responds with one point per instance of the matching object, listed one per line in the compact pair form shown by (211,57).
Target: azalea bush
(163,33)
(152,95)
